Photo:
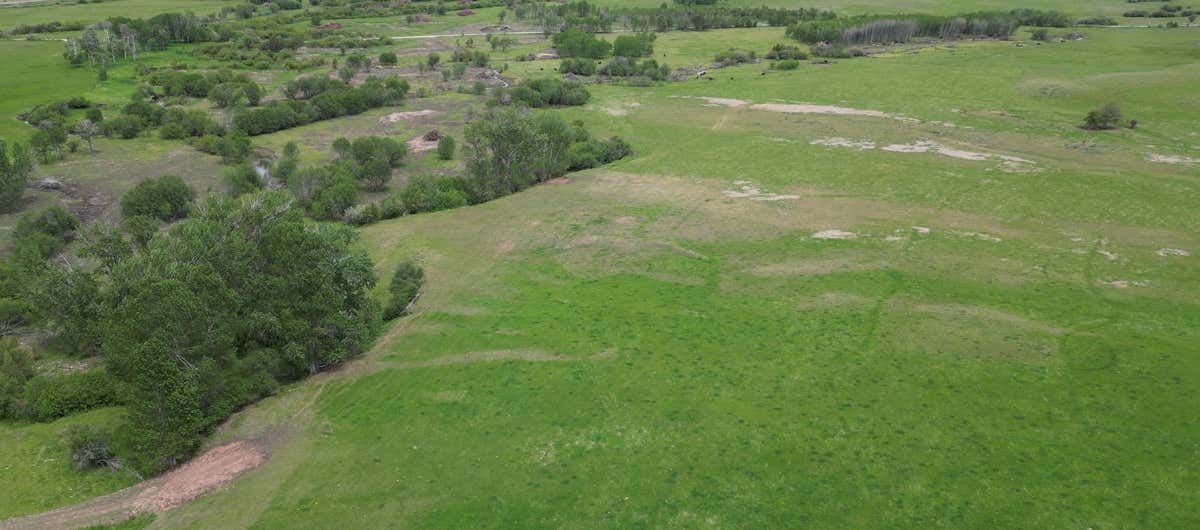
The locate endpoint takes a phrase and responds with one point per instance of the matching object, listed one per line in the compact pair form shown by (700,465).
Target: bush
(577,66)
(123,127)
(166,198)
(1040,34)
(786,64)
(361,214)
(53,221)
(406,285)
(784,52)
(429,193)
(640,45)
(1106,117)
(89,446)
(550,91)
(732,57)
(388,59)
(575,43)
(52,397)
(173,131)
(241,179)
(392,207)
(445,147)
(595,153)
(16,369)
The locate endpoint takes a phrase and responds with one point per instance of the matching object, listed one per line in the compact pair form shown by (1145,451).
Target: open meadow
(905,290)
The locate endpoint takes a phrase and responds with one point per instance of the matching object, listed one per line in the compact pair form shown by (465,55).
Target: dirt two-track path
(201,475)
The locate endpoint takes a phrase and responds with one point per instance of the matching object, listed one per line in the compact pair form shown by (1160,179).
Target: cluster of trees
(578,43)
(640,45)
(371,158)
(53,131)
(621,66)
(580,49)
(1164,11)
(590,17)
(508,150)
(234,300)
(545,92)
(122,38)
(15,171)
(1105,118)
(315,98)
(874,30)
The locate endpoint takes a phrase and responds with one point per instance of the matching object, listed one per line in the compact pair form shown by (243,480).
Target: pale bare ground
(419,145)
(406,115)
(806,108)
(201,475)
(1172,159)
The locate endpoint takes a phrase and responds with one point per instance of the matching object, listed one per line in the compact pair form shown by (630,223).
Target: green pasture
(992,347)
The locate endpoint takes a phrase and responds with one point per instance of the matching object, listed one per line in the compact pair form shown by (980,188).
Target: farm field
(906,290)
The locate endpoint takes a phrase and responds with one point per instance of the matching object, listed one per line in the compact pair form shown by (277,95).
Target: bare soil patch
(834,234)
(406,115)
(201,475)
(804,108)
(747,190)
(419,145)
(1172,159)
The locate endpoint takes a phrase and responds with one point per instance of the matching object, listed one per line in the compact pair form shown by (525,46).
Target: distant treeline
(870,29)
(589,17)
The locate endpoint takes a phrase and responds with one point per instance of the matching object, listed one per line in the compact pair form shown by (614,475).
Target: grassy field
(996,345)
(66,11)
(932,301)
(37,471)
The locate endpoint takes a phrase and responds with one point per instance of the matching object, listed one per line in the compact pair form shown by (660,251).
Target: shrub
(786,64)
(577,66)
(429,193)
(16,369)
(388,59)
(89,447)
(165,198)
(550,91)
(173,131)
(1106,117)
(595,153)
(361,214)
(1040,34)
(241,179)
(406,285)
(640,45)
(732,57)
(51,397)
(124,127)
(53,221)
(445,147)
(392,207)
(576,43)
(785,52)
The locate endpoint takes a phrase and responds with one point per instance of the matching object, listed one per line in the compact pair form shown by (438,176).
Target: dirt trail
(201,475)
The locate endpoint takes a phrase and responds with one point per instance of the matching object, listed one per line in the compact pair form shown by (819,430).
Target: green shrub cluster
(166,198)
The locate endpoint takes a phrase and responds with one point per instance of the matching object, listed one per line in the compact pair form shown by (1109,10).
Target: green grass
(636,348)
(94,12)
(37,470)
(663,355)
